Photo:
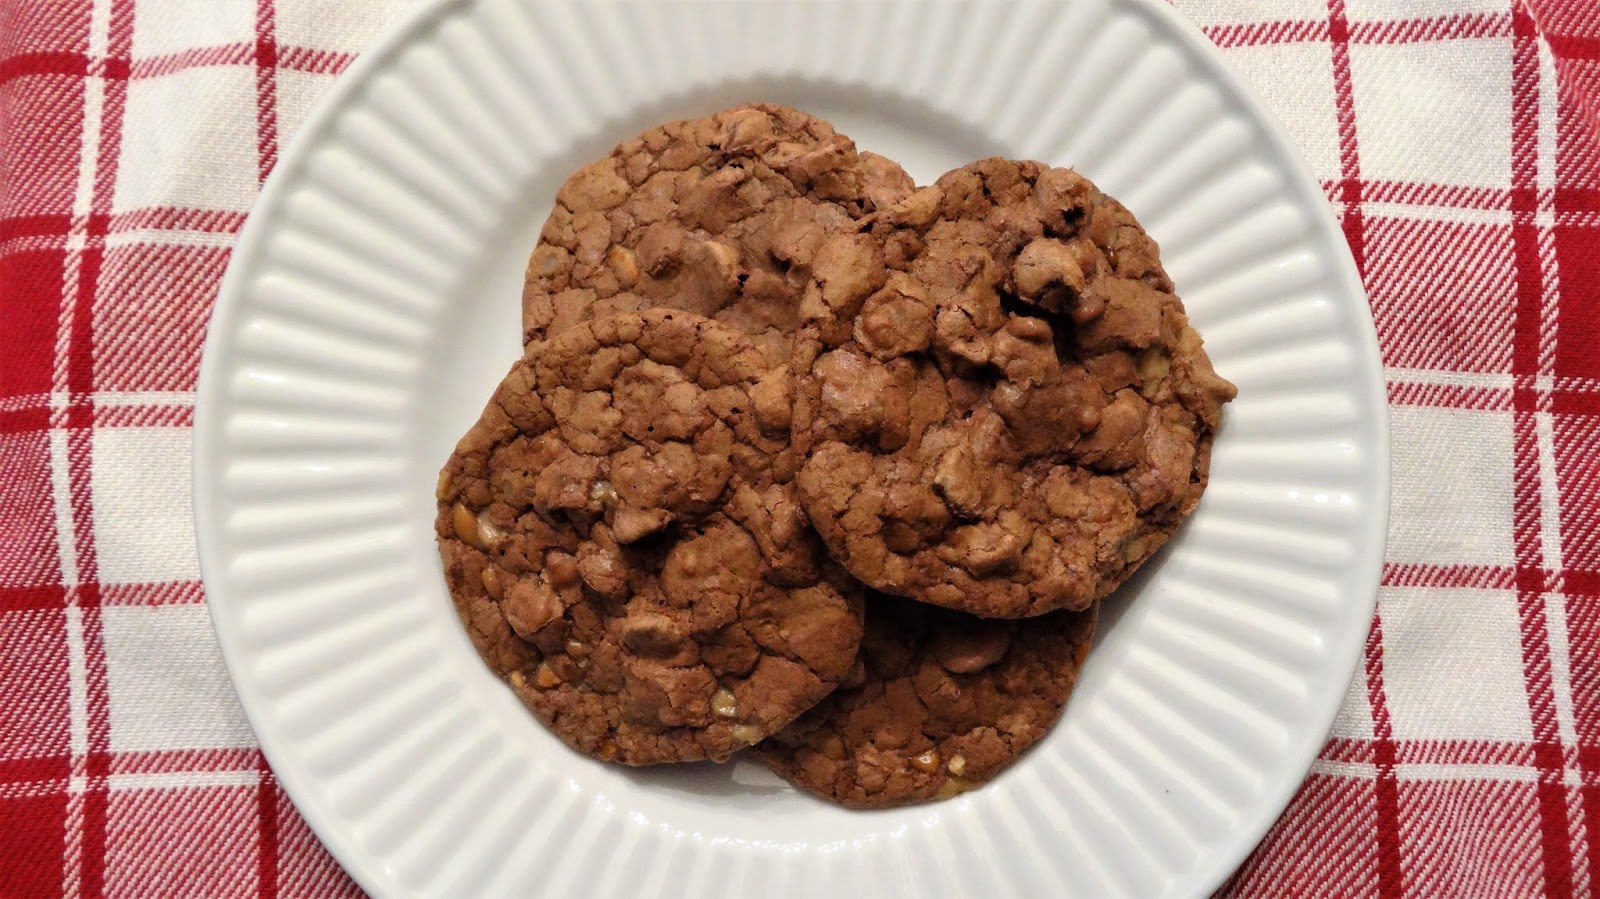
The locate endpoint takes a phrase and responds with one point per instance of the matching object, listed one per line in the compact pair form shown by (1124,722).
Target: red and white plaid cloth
(1459,143)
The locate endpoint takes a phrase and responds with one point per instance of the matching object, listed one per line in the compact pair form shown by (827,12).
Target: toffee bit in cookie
(748,733)
(603,494)
(1134,549)
(1153,367)
(927,762)
(466,525)
(972,650)
(492,584)
(489,534)
(724,704)
(546,676)
(633,525)
(957,764)
(530,605)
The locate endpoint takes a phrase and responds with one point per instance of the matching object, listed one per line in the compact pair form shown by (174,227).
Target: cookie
(1021,414)
(941,703)
(731,216)
(620,543)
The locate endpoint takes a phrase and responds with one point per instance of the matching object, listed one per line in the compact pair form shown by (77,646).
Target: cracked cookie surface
(619,540)
(1003,408)
(941,702)
(725,216)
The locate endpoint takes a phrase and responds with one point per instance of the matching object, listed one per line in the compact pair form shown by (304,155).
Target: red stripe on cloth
(85,596)
(1255,34)
(111,68)
(169,761)
(266,58)
(165,593)
(1488,577)
(1352,750)
(1390,877)
(177,218)
(1578,198)
(142,416)
(79,381)
(44,63)
(150,218)
(1421,193)
(192,58)
(18,227)
(113,107)
(1452,26)
(1455,26)
(44,769)
(299,59)
(267,826)
(43,597)
(1527,535)
(1572,46)
(312,61)
(1581,583)
(1349,154)
(95,767)
(80,360)
(1438,752)
(22,421)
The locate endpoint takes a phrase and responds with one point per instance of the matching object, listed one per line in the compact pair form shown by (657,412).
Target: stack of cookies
(804,459)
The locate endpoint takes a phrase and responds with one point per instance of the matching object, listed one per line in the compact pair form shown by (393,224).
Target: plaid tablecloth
(1458,141)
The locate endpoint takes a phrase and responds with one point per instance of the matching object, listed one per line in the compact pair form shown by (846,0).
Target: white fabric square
(1230,12)
(1436,112)
(1452,493)
(168,688)
(1388,10)
(170,26)
(298,92)
(1305,103)
(1452,664)
(143,527)
(190,140)
(336,25)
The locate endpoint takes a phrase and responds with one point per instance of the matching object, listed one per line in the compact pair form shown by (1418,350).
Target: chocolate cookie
(943,702)
(618,540)
(731,216)
(1021,414)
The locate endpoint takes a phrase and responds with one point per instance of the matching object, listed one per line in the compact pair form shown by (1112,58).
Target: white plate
(372,304)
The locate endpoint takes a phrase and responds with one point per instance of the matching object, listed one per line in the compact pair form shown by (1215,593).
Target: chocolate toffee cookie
(619,541)
(1002,408)
(731,216)
(941,702)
